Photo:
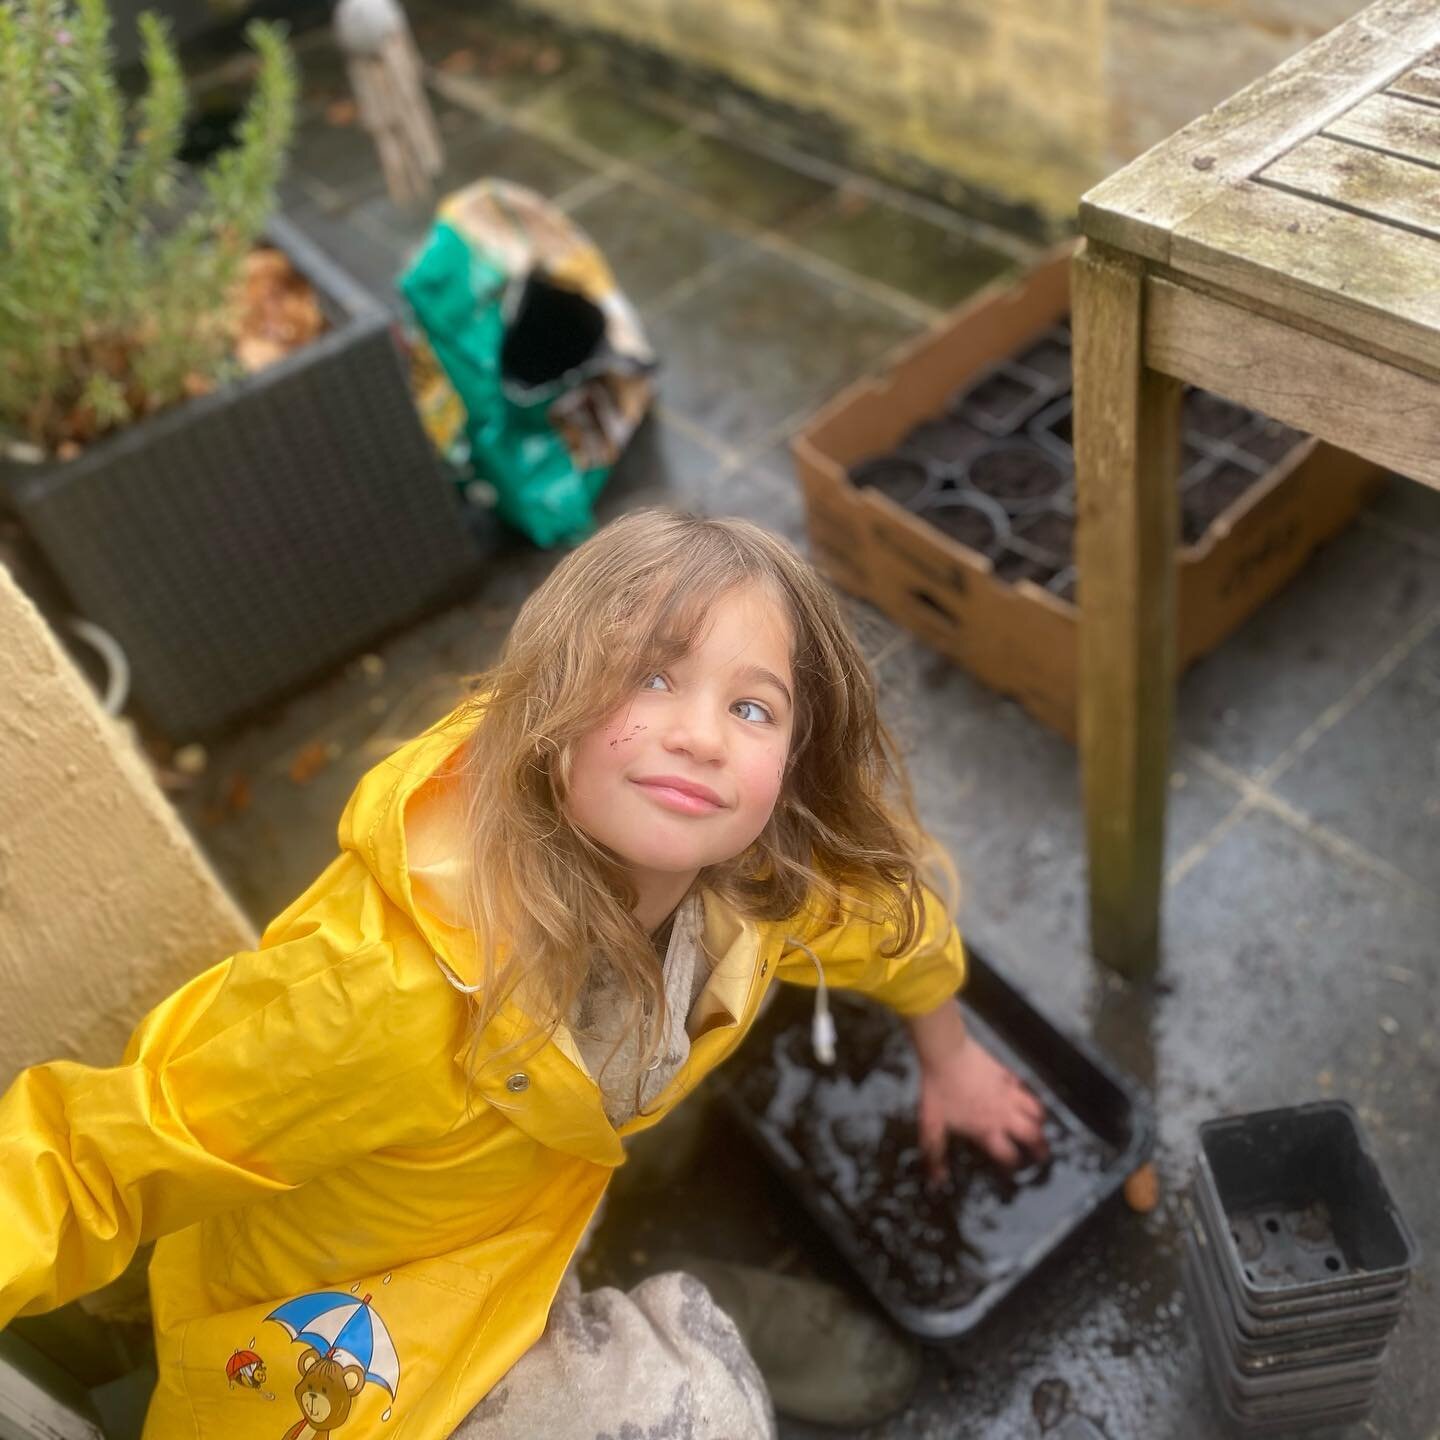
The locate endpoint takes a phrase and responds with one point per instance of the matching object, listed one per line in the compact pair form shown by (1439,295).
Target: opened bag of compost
(545,357)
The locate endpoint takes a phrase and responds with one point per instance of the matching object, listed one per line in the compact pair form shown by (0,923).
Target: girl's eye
(651,685)
(763,716)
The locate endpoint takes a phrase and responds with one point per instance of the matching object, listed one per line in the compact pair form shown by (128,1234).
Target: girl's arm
(268,1069)
(962,1086)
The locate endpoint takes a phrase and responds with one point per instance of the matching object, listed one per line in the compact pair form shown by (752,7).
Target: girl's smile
(684,796)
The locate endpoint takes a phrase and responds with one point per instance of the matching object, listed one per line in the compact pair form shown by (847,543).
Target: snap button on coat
(517,1082)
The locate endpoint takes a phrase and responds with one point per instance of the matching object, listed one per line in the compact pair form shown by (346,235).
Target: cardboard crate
(1020,639)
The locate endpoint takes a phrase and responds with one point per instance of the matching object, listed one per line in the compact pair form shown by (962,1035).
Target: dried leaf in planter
(274,309)
(255,352)
(341,112)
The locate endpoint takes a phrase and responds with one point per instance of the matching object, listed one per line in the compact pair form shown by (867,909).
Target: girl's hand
(966,1089)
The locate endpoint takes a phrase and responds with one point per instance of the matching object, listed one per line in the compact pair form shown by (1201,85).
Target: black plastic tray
(831,1133)
(1269,1168)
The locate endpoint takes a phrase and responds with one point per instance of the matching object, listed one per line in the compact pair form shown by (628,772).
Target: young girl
(369,1149)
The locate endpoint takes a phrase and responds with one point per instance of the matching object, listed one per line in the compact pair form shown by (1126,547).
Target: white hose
(822,1022)
(117,667)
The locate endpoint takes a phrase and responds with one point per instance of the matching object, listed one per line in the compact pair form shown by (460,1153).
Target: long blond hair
(544,898)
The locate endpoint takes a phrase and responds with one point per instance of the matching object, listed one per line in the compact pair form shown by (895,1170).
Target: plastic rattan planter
(243,542)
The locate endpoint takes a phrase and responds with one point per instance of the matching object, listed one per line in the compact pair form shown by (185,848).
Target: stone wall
(1030,100)
(105,903)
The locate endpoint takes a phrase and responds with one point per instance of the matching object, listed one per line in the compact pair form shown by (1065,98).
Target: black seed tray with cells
(996,470)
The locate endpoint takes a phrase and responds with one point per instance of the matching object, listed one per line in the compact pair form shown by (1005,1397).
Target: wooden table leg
(1126,461)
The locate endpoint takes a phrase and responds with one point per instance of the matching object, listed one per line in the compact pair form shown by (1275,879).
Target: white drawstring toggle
(822,1022)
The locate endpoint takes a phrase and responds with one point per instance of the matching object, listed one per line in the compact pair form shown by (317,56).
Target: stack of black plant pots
(1297,1267)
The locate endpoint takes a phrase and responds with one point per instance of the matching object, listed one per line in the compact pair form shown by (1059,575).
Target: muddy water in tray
(850,1130)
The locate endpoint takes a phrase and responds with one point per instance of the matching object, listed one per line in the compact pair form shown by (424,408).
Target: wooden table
(1284,252)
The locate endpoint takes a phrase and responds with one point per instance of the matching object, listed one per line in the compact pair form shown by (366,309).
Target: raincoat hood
(408,795)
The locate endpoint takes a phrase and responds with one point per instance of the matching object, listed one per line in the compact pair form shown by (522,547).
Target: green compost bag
(547,358)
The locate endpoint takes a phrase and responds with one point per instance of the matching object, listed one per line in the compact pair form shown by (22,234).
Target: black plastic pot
(1003,397)
(967,517)
(239,544)
(1364,1300)
(1267,1344)
(946,441)
(1019,474)
(1323,1405)
(843,1139)
(1048,534)
(907,479)
(1303,1186)
(1050,357)
(1297,1266)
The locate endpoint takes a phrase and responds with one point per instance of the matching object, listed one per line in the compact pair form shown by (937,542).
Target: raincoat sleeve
(275,1065)
(852,949)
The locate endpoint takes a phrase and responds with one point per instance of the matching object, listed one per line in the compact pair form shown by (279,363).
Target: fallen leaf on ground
(458,62)
(1142,1190)
(237,794)
(310,761)
(341,112)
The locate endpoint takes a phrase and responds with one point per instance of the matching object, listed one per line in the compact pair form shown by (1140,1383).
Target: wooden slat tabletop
(1422,83)
(1404,196)
(1139,208)
(1394,124)
(1314,194)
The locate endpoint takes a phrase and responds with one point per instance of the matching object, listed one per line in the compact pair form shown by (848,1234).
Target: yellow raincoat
(295,1128)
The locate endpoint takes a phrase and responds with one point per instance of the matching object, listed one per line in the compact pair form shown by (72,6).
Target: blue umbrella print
(344,1328)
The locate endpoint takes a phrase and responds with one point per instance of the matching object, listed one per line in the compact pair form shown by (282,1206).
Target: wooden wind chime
(385,75)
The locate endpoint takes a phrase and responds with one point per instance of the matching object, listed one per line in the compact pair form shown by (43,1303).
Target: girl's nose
(695,731)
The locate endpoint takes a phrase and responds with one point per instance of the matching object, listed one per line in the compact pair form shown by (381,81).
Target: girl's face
(686,773)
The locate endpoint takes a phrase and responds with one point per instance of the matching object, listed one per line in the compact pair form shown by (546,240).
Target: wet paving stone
(594,113)
(881,242)
(1375,776)
(765,340)
(1307,648)
(738,181)
(651,243)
